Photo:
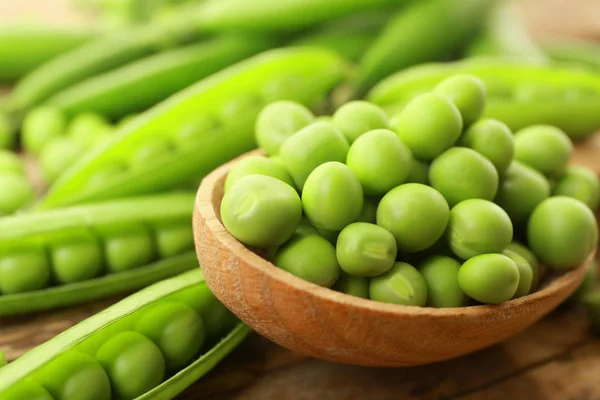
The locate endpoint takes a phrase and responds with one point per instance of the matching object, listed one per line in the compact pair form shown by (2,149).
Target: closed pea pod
(581,183)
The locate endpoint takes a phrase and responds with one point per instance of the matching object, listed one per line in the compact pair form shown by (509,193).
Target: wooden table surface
(556,359)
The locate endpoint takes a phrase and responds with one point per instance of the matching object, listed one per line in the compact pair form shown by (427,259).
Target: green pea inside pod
(10,162)
(176,329)
(380,161)
(309,257)
(75,376)
(441,275)
(461,173)
(261,211)
(418,172)
(527,254)
(58,155)
(489,278)
(525,274)
(127,246)
(352,285)
(402,284)
(257,165)
(133,363)
(76,258)
(40,126)
(194,128)
(316,144)
(151,150)
(7,133)
(332,197)
(544,148)
(27,389)
(16,192)
(24,270)
(467,93)
(278,121)
(173,237)
(88,129)
(492,139)
(581,183)
(357,117)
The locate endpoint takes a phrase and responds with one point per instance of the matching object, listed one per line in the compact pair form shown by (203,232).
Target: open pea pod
(518,93)
(199,128)
(151,345)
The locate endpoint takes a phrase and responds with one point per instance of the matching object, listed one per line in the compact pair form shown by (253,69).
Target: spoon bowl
(322,323)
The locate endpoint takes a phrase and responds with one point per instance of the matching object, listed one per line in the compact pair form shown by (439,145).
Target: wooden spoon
(325,324)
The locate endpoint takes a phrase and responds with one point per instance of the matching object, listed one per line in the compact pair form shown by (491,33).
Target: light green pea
(8,135)
(27,389)
(76,259)
(316,144)
(24,272)
(128,248)
(441,275)
(88,129)
(278,121)
(402,284)
(418,172)
(379,160)
(11,162)
(369,210)
(489,278)
(525,274)
(58,155)
(310,257)
(261,211)
(332,196)
(531,259)
(429,125)
(467,93)
(580,183)
(40,126)
(16,192)
(357,117)
(174,238)
(493,139)
(544,148)
(152,150)
(352,285)
(257,165)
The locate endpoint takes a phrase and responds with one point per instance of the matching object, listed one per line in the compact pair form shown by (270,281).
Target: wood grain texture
(322,323)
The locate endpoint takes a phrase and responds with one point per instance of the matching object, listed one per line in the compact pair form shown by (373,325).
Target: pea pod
(84,357)
(197,129)
(574,51)
(518,93)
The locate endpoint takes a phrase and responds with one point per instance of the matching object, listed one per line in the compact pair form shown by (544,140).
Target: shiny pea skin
(525,274)
(531,259)
(257,165)
(380,161)
(40,126)
(309,257)
(128,248)
(174,238)
(261,211)
(7,133)
(357,117)
(417,216)
(176,329)
(478,227)
(489,278)
(544,148)
(278,121)
(467,93)
(24,272)
(462,173)
(352,285)
(316,144)
(403,284)
(521,190)
(77,259)
(75,376)
(441,275)
(365,250)
(11,162)
(332,197)
(369,210)
(581,183)
(133,362)
(562,232)
(16,193)
(493,139)
(418,172)
(27,389)
(58,155)
(429,125)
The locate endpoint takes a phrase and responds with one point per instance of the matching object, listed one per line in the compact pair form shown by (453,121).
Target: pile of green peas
(435,206)
(16,191)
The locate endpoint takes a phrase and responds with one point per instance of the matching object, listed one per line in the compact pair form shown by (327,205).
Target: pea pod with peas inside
(151,345)
(519,94)
(197,129)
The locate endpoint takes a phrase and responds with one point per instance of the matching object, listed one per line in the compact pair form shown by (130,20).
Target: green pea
(467,92)
(352,285)
(580,183)
(332,196)
(369,211)
(77,259)
(88,129)
(380,161)
(261,211)
(429,125)
(415,214)
(150,150)
(461,173)
(58,155)
(129,248)
(525,274)
(357,117)
(365,250)
(544,148)
(75,376)
(174,238)
(133,362)
(310,147)
(489,278)
(310,257)
(27,389)
(531,259)
(11,162)
(24,272)
(278,121)
(176,329)
(562,232)
(257,165)
(8,135)
(418,172)
(402,284)
(478,227)
(16,192)
(492,139)
(40,127)
(521,190)
(441,275)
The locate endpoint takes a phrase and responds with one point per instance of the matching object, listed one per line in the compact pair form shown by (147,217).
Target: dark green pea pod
(86,347)
(518,93)
(199,128)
